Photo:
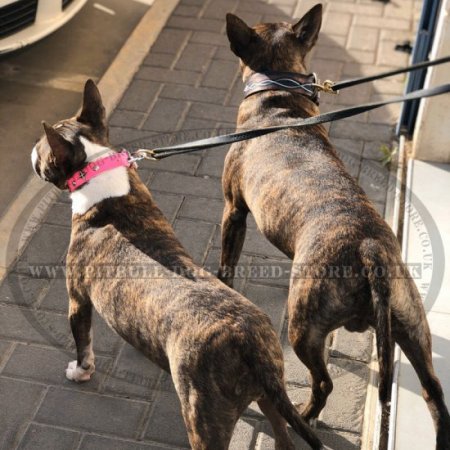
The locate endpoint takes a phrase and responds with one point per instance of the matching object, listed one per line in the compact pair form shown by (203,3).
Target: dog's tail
(374,258)
(269,373)
(282,403)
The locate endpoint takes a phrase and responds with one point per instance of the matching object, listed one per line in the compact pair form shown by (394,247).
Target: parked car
(23,22)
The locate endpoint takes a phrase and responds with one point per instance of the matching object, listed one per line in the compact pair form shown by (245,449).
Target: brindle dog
(308,206)
(221,350)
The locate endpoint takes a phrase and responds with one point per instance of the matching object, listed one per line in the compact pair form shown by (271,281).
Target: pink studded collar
(95,168)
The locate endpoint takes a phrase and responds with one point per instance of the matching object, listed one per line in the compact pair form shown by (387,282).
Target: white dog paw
(77,373)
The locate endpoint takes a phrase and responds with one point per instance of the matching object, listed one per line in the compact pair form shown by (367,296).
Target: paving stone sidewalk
(187,87)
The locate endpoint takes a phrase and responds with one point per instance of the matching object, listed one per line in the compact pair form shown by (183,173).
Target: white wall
(432,133)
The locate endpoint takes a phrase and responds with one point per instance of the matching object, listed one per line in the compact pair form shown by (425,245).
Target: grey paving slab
(169,41)
(186,164)
(139,95)
(195,236)
(271,300)
(220,74)
(47,247)
(83,411)
(155,59)
(59,214)
(208,37)
(194,23)
(165,115)
(21,289)
(56,297)
(187,10)
(201,208)
(26,325)
(212,261)
(195,57)
(184,77)
(47,366)
(5,350)
(95,442)
(126,118)
(212,163)
(133,375)
(19,402)
(352,345)
(145,174)
(41,437)
(345,406)
(131,138)
(244,434)
(295,371)
(166,423)
(178,183)
(168,203)
(256,244)
(334,439)
(373,178)
(49,328)
(203,94)
(218,8)
(209,111)
(273,272)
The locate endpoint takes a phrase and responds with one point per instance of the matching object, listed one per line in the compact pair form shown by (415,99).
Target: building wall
(432,135)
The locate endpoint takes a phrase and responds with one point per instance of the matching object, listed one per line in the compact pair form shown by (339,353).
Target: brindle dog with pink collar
(308,206)
(221,350)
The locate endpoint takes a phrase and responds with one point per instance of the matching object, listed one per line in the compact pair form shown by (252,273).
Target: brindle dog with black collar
(221,350)
(308,206)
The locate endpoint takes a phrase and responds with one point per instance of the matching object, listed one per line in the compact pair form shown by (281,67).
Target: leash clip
(141,154)
(326,86)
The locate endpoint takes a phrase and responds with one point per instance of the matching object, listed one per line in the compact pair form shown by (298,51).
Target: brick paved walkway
(189,83)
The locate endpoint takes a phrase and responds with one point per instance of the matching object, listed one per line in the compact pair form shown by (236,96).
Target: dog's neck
(113,183)
(270,108)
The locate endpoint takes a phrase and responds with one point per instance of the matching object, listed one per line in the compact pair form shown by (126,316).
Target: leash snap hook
(326,86)
(141,154)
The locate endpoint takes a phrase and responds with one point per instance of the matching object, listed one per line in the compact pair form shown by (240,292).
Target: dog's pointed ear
(307,28)
(239,34)
(61,148)
(92,112)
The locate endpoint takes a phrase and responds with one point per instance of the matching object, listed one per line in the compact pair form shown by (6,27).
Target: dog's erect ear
(239,34)
(307,28)
(61,149)
(92,112)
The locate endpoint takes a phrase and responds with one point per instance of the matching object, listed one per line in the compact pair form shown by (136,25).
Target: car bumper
(49,17)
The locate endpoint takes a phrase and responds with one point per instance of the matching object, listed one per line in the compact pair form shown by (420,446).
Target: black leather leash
(165,152)
(390,73)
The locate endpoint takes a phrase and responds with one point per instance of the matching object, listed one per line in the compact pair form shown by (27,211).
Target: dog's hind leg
(282,439)
(233,236)
(309,345)
(80,318)
(307,334)
(410,330)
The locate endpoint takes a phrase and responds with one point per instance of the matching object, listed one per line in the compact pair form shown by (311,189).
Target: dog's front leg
(80,317)
(233,235)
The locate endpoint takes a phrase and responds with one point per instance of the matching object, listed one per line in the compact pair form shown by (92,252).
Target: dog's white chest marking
(113,183)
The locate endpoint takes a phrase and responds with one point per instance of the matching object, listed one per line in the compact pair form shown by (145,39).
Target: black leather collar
(282,81)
